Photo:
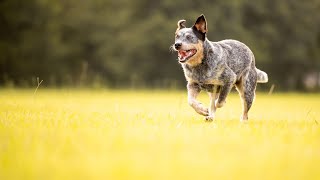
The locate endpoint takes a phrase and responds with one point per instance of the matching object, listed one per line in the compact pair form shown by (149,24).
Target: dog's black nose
(177,45)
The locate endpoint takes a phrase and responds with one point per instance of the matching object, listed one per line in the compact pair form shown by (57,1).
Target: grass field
(100,134)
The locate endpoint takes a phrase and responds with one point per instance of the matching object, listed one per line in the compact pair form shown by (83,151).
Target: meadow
(129,134)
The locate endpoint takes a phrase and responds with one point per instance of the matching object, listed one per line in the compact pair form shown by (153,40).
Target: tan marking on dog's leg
(212,108)
(249,87)
(194,103)
(239,87)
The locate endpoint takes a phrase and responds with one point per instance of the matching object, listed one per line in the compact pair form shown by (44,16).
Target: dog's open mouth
(184,55)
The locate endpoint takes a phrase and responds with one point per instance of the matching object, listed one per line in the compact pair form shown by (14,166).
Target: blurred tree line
(123,43)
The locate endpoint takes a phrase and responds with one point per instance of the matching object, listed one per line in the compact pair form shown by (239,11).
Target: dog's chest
(201,74)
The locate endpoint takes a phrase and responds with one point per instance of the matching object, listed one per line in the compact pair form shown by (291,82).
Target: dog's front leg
(193,92)
(212,108)
(228,77)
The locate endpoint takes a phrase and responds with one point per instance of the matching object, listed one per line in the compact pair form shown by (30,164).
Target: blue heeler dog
(216,67)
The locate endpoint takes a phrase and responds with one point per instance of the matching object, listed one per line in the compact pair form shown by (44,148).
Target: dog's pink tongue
(182,54)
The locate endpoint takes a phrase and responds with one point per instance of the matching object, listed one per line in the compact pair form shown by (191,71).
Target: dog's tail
(262,76)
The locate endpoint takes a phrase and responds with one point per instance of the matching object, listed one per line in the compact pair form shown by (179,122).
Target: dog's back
(238,57)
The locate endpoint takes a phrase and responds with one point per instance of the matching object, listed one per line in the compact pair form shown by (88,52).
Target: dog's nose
(177,45)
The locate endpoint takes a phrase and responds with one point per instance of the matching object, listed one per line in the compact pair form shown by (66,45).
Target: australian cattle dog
(216,67)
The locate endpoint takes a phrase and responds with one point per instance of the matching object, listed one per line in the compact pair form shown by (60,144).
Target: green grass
(91,134)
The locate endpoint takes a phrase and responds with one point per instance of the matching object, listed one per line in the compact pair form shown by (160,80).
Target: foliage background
(123,43)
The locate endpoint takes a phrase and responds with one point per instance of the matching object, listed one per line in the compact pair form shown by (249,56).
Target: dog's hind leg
(228,78)
(246,87)
(193,92)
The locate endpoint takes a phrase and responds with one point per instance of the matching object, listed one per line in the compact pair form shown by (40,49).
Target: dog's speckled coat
(216,67)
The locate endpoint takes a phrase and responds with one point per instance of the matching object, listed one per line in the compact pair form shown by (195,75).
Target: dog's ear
(201,24)
(181,24)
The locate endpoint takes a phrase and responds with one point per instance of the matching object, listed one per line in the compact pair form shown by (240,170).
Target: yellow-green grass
(102,134)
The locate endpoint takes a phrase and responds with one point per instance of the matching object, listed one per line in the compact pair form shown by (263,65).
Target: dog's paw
(204,112)
(244,118)
(219,104)
(209,118)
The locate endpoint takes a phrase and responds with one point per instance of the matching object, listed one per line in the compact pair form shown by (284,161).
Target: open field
(100,134)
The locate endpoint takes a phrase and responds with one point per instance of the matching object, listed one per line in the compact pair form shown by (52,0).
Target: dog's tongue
(182,53)
(185,54)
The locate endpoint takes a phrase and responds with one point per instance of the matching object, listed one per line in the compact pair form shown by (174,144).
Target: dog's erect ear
(201,24)
(181,24)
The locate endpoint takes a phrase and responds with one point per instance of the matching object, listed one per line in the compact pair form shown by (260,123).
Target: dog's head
(189,41)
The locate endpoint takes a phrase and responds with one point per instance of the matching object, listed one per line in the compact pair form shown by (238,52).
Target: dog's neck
(208,50)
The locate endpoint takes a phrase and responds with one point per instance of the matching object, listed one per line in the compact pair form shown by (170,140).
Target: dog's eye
(177,36)
(188,37)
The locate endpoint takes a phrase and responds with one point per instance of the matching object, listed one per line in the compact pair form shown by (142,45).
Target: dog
(215,67)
